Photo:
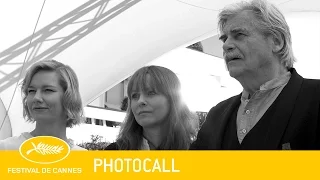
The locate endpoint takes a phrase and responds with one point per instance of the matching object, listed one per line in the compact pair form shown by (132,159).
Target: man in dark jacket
(278,109)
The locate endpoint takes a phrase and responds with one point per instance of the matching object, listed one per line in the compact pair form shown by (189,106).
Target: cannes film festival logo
(44,149)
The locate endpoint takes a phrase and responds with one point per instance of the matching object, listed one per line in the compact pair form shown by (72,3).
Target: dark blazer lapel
(283,109)
(220,122)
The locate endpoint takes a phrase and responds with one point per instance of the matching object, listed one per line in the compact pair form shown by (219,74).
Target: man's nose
(228,45)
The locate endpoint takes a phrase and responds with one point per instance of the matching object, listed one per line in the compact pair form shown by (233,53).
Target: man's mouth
(233,59)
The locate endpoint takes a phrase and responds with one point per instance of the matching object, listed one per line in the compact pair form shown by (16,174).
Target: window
(88,121)
(99,122)
(112,124)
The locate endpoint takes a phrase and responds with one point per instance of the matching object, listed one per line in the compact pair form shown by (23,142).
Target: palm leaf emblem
(45,149)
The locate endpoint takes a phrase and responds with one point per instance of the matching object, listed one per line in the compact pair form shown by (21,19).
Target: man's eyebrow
(237,30)
(233,31)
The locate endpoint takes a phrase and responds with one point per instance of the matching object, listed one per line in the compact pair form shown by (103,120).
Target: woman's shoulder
(112,146)
(13,143)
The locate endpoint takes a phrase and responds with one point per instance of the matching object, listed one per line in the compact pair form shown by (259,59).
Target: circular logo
(44,149)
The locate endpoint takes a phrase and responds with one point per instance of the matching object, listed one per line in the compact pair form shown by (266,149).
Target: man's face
(245,50)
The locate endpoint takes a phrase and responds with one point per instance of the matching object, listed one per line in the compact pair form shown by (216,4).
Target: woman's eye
(151,93)
(31,91)
(48,90)
(134,96)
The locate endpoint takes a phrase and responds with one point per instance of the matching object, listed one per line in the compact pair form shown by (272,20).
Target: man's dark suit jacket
(291,122)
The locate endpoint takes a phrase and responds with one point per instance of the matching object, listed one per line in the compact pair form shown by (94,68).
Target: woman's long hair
(181,124)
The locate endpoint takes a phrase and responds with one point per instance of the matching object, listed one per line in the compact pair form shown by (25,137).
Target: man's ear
(278,42)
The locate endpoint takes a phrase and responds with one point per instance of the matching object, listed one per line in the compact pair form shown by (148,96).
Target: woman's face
(44,97)
(149,108)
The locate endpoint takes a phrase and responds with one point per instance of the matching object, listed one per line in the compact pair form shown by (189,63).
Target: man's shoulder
(220,108)
(313,86)
(306,81)
(223,104)
(312,82)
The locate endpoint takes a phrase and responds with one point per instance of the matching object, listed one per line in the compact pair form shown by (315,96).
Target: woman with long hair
(157,118)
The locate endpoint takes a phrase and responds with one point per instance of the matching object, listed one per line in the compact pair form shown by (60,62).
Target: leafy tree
(95,143)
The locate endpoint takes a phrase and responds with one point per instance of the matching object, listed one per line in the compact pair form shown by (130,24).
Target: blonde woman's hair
(71,100)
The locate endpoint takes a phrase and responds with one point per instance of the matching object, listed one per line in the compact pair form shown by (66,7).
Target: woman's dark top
(112,146)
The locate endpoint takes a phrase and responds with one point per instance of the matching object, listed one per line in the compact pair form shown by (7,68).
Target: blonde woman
(51,99)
